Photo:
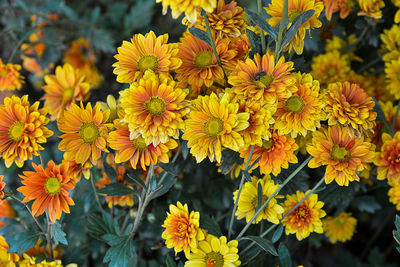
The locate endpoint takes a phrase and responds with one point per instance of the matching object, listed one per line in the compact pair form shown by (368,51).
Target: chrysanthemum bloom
(387,159)
(7,259)
(392,71)
(389,111)
(332,6)
(371,8)
(113,106)
(154,108)
(85,133)
(303,142)
(29,261)
(144,53)
(76,170)
(275,153)
(6,210)
(394,195)
(340,228)
(213,123)
(260,80)
(339,44)
(342,151)
(67,86)
(247,204)
(216,252)
(189,7)
(22,130)
(49,188)
(391,43)
(295,8)
(306,218)
(39,250)
(182,231)
(397,15)
(10,78)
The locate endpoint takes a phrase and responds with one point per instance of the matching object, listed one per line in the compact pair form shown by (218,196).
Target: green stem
(260,7)
(17,46)
(281,26)
(95,192)
(48,238)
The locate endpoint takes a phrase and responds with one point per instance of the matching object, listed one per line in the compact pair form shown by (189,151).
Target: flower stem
(260,7)
(281,26)
(48,237)
(95,192)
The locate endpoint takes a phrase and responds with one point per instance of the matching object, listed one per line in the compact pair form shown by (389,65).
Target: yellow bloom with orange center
(342,151)
(67,86)
(6,210)
(392,73)
(295,8)
(85,133)
(306,218)
(7,259)
(182,231)
(391,43)
(388,159)
(212,123)
(154,108)
(394,195)
(260,80)
(191,8)
(333,6)
(10,78)
(22,130)
(144,53)
(371,8)
(49,188)
(340,228)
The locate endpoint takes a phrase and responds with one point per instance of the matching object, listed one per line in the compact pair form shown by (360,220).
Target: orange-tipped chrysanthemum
(332,6)
(189,7)
(371,8)
(387,159)
(154,108)
(10,78)
(340,228)
(260,80)
(348,104)
(306,218)
(214,123)
(6,211)
(67,86)
(144,53)
(342,151)
(182,231)
(22,130)
(49,188)
(85,133)
(392,72)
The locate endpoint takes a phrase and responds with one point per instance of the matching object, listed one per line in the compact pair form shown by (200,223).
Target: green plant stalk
(48,237)
(281,26)
(260,7)
(290,177)
(95,192)
(385,121)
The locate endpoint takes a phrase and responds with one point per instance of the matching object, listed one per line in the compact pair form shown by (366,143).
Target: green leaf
(229,158)
(210,224)
(57,234)
(137,180)
(139,16)
(122,251)
(110,171)
(104,41)
(200,34)
(21,242)
(260,22)
(254,41)
(259,196)
(153,183)
(169,261)
(169,181)
(263,243)
(247,176)
(94,17)
(101,225)
(381,116)
(277,234)
(297,22)
(168,167)
(367,203)
(284,256)
(117,189)
(185,149)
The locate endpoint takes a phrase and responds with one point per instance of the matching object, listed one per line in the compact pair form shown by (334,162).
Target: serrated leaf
(200,34)
(297,22)
(284,256)
(116,189)
(277,234)
(101,225)
(57,234)
(139,16)
(210,224)
(137,180)
(260,22)
(259,195)
(263,243)
(21,242)
(122,251)
(169,261)
(367,203)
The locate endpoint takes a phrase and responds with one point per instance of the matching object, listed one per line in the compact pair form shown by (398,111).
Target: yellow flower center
(331,72)
(3,74)
(294,14)
(89,132)
(267,144)
(340,153)
(148,62)
(302,213)
(203,59)
(295,104)
(213,126)
(339,222)
(52,186)
(155,106)
(214,259)
(67,94)
(264,78)
(16,131)
(139,143)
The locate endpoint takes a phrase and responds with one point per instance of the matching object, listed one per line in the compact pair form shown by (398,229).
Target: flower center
(52,186)
(139,143)
(339,222)
(203,59)
(214,259)
(295,104)
(89,132)
(294,14)
(302,213)
(148,62)
(213,126)
(267,144)
(16,131)
(331,72)
(155,106)
(340,153)
(264,78)
(67,94)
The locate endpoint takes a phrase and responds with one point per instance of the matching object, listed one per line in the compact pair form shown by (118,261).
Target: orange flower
(39,248)
(2,185)
(10,78)
(49,189)
(22,129)
(342,151)
(76,170)
(6,210)
(332,6)
(388,159)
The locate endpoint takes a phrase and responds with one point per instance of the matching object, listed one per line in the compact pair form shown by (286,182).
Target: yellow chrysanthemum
(397,15)
(154,108)
(7,259)
(303,142)
(113,106)
(341,45)
(67,86)
(144,53)
(342,151)
(30,261)
(189,7)
(389,111)
(295,8)
(214,252)
(213,123)
(10,78)
(247,204)
(332,6)
(340,228)
(306,218)
(391,43)
(394,195)
(371,8)
(182,231)
(387,159)
(392,71)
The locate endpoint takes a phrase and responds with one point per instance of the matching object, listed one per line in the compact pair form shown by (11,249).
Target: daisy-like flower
(7,259)
(28,261)
(213,123)
(189,7)
(371,8)
(260,80)
(397,15)
(295,8)
(394,195)
(67,86)
(2,185)
(113,106)
(333,6)
(182,231)
(302,111)
(154,108)
(306,218)
(85,133)
(391,43)
(274,154)
(215,252)
(49,188)
(247,204)
(7,211)
(342,151)
(340,228)
(22,130)
(10,78)
(392,72)
(387,159)
(144,53)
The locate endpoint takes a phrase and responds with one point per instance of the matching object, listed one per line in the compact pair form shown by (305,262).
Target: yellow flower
(113,106)
(306,218)
(397,15)
(340,228)
(338,44)
(247,204)
(392,71)
(10,78)
(214,252)
(7,259)
(332,6)
(371,8)
(389,111)
(30,261)
(303,142)
(387,159)
(394,195)
(189,7)
(391,43)
(212,123)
